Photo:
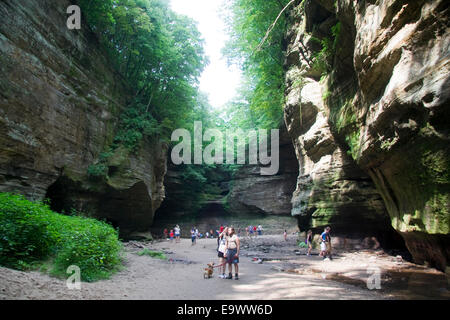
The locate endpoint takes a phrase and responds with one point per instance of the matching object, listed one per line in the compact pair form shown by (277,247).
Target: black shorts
(220,254)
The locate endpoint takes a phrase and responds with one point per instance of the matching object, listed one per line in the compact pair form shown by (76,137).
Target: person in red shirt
(254,230)
(166,233)
(221,228)
(172,235)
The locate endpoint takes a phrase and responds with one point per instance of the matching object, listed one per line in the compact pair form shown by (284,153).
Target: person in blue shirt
(325,245)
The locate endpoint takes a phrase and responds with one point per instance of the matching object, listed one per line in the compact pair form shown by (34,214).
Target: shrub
(24,233)
(30,232)
(98,170)
(302,244)
(153,254)
(90,244)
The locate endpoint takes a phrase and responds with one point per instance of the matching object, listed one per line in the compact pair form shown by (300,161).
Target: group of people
(325,243)
(195,234)
(173,234)
(228,245)
(228,248)
(253,230)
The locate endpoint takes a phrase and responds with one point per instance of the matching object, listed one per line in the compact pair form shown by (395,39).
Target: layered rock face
(242,198)
(252,192)
(368,89)
(59,105)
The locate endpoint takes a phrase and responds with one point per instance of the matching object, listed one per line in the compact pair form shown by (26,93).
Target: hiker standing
(309,237)
(325,245)
(328,243)
(193,236)
(259,230)
(285,235)
(221,248)
(232,253)
(177,233)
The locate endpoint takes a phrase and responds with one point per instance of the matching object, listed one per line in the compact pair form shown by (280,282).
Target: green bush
(302,244)
(30,232)
(24,233)
(153,254)
(98,170)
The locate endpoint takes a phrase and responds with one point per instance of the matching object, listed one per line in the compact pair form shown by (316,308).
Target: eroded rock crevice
(367,119)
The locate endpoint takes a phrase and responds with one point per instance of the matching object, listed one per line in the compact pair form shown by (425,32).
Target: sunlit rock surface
(381,112)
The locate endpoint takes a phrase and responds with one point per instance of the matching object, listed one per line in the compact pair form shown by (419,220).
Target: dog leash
(220,265)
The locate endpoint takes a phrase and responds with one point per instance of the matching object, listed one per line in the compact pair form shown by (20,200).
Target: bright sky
(218,80)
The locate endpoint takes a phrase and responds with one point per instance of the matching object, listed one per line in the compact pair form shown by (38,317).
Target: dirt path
(283,274)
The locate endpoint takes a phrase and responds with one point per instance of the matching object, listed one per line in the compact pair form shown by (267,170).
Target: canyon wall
(266,194)
(367,108)
(59,105)
(239,197)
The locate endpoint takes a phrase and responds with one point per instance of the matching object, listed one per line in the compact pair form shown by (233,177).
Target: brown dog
(209,271)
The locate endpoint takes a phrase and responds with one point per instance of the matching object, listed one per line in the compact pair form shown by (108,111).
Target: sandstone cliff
(59,107)
(367,93)
(253,193)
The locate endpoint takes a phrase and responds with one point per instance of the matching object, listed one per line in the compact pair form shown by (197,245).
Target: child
(172,235)
(193,236)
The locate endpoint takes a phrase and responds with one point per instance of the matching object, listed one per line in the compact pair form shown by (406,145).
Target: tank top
(232,242)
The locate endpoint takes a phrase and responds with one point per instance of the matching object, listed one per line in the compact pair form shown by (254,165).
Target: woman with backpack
(221,248)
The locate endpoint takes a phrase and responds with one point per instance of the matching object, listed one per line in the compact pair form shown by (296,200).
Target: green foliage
(134,125)
(259,103)
(98,170)
(323,59)
(302,244)
(160,56)
(159,53)
(30,232)
(326,95)
(153,254)
(90,244)
(24,233)
(344,117)
(352,140)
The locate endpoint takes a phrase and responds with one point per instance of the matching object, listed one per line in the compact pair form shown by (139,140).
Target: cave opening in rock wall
(59,196)
(127,210)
